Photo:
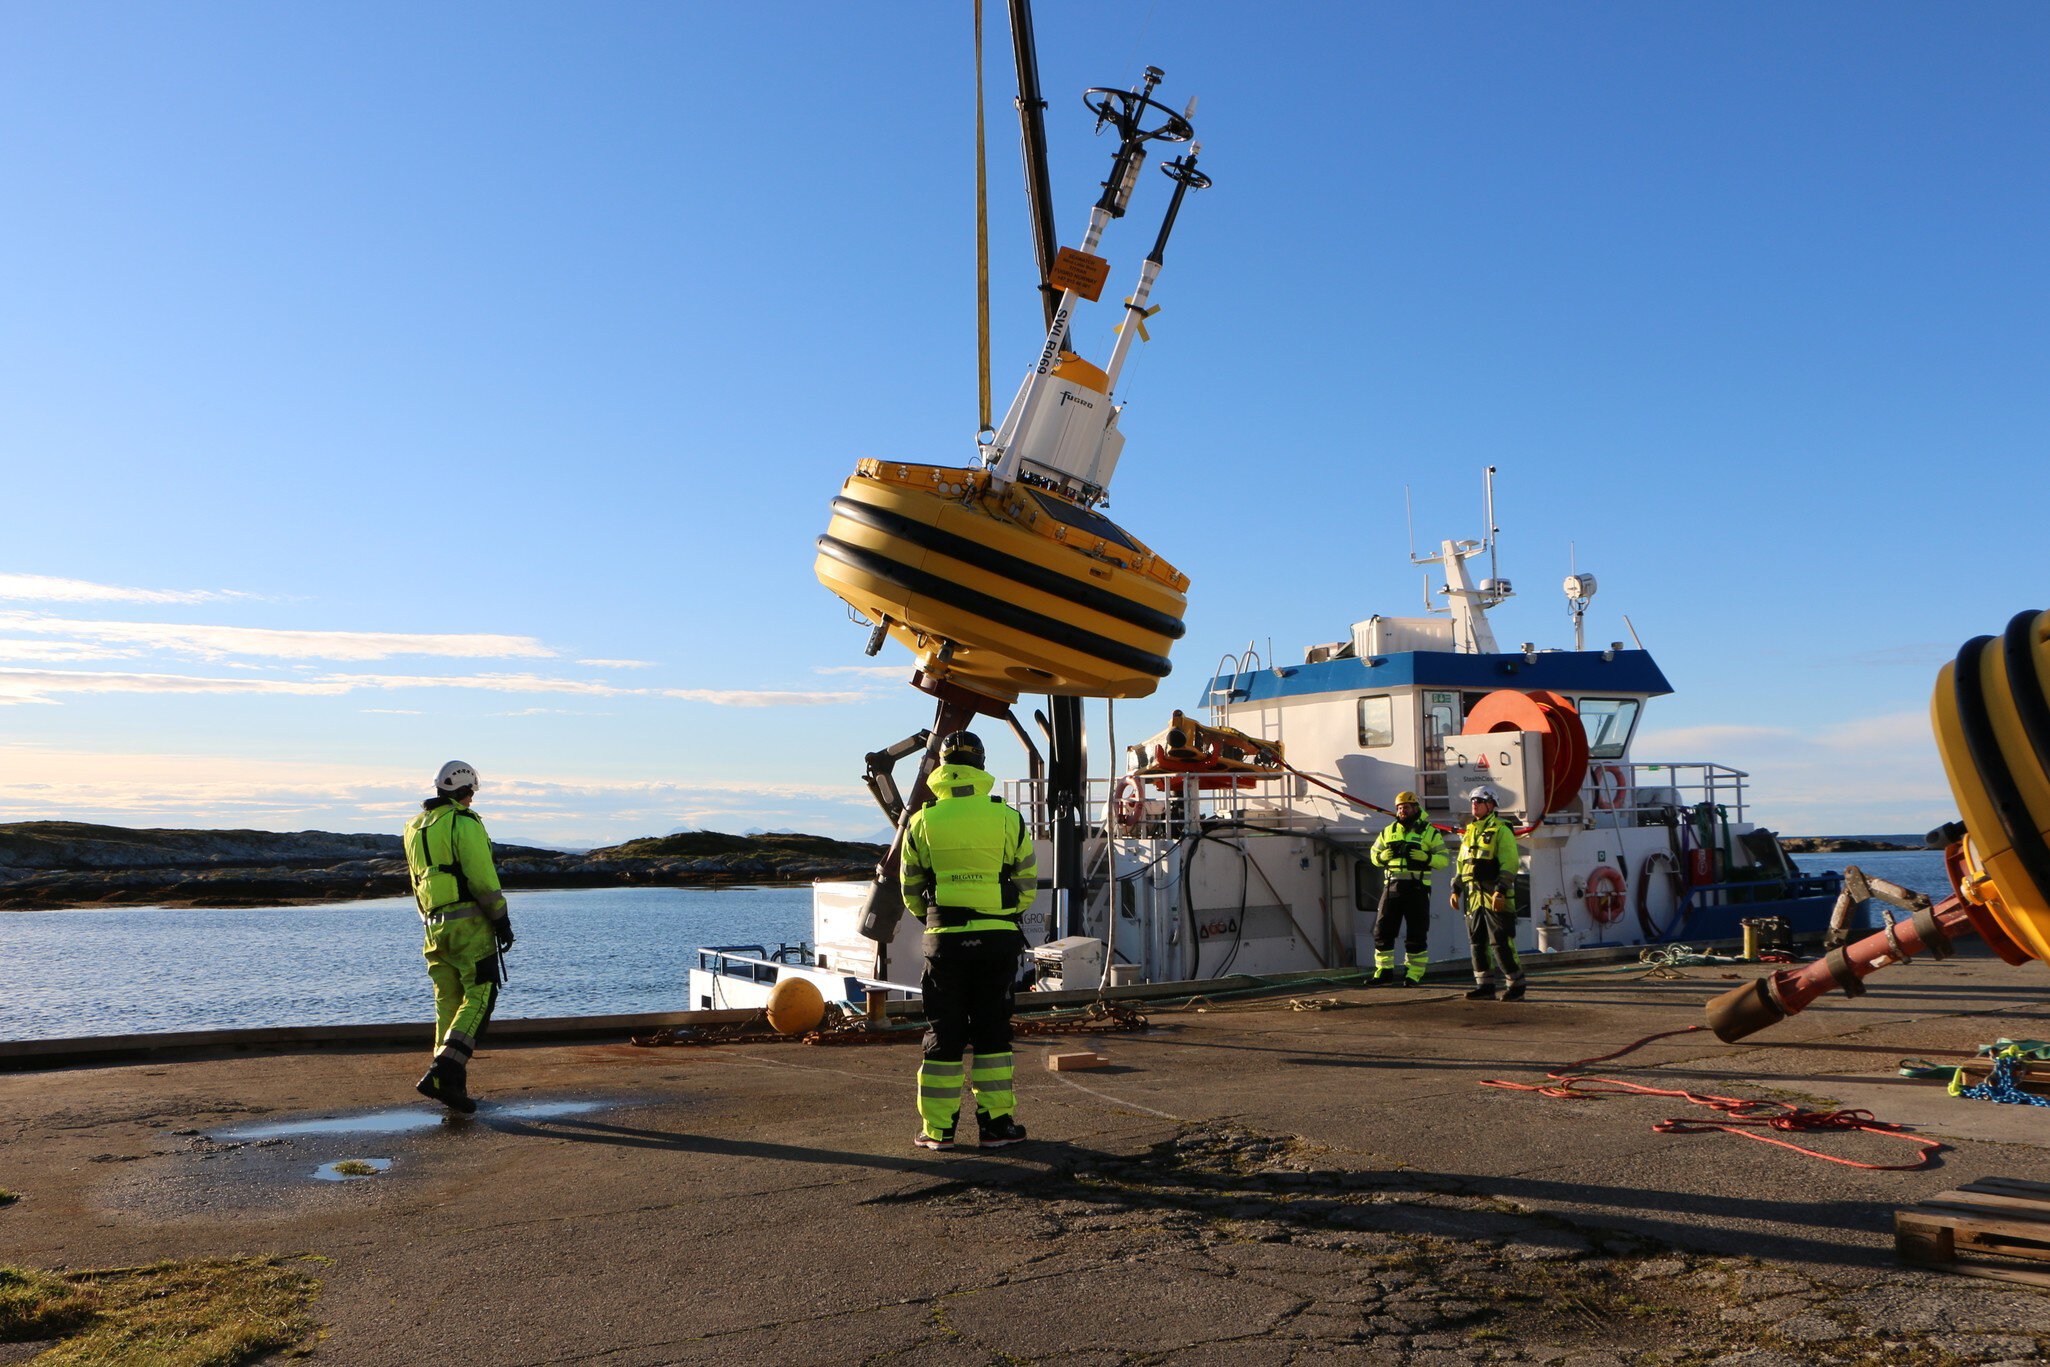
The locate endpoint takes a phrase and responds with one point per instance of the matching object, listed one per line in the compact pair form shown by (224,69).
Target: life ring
(1611,787)
(1128,808)
(1605,895)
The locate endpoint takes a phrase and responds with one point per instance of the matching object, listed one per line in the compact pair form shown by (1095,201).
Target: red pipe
(1766,1001)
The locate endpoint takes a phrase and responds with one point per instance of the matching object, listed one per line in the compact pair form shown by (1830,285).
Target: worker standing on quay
(969,874)
(1485,889)
(1406,851)
(456,887)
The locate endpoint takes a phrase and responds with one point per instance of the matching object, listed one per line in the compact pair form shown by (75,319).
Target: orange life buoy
(1605,896)
(1611,787)
(1128,808)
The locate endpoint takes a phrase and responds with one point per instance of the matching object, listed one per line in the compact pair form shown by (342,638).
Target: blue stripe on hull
(1563,671)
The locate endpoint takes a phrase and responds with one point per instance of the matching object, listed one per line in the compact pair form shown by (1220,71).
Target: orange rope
(1736,1115)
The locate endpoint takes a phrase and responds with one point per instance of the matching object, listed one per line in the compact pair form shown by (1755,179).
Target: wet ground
(1253,1184)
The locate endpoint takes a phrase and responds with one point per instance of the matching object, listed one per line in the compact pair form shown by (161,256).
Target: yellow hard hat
(1411,798)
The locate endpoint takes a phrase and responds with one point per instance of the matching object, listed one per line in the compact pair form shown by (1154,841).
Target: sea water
(585,951)
(580,952)
(1916,870)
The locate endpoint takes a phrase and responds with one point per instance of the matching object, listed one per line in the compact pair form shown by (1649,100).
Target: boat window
(1377,721)
(1441,719)
(1366,886)
(1609,722)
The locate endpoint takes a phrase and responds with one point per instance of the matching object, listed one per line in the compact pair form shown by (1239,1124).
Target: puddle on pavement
(351,1169)
(408,1120)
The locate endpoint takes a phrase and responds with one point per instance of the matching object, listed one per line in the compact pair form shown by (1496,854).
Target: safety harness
(453,868)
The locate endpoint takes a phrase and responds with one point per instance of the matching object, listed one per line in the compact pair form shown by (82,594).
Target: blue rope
(1999,1085)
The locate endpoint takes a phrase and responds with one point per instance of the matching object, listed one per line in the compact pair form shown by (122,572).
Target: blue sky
(385,383)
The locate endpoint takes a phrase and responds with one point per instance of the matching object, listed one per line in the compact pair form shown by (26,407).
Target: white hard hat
(455,774)
(1481,794)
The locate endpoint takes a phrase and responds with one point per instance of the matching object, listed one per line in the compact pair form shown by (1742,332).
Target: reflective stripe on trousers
(939,1090)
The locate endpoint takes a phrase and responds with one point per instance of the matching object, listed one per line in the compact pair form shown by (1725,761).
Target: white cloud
(36,685)
(40,685)
(39,782)
(866,671)
(58,652)
(743,697)
(391,711)
(219,642)
(43,588)
(618,664)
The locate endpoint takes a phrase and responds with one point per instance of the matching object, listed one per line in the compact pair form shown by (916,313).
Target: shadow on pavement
(963,1166)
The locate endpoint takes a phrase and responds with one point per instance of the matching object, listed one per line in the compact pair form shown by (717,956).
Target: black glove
(502,929)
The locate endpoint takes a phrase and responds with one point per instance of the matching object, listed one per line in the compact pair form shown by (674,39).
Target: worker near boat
(455,886)
(1485,889)
(1407,851)
(969,874)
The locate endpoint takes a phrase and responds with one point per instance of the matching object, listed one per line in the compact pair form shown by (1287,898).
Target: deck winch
(1991,715)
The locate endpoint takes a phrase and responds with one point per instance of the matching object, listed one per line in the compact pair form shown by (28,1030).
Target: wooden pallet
(1994,1215)
(2027,1079)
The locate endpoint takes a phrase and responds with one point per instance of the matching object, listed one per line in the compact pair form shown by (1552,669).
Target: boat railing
(1170,806)
(753,963)
(1661,792)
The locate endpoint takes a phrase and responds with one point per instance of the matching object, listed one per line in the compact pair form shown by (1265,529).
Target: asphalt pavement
(1254,1182)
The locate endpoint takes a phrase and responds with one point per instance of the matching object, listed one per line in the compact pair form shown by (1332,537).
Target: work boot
(1484,993)
(927,1140)
(1514,994)
(998,1133)
(447,1083)
(1387,977)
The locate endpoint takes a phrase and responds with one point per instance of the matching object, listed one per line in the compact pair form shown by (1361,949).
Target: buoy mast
(1061,428)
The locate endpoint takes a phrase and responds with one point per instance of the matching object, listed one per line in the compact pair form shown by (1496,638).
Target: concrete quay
(1247,1184)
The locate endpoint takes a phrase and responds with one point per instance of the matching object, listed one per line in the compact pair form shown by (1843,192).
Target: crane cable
(984,431)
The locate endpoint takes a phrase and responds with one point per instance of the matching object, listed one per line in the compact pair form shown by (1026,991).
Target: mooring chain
(852,1027)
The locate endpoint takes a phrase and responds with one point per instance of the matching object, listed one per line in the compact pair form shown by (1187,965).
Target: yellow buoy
(1003,589)
(1992,718)
(795,1006)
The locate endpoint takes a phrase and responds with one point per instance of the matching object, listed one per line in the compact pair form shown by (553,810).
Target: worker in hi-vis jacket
(969,874)
(456,888)
(1407,851)
(1485,889)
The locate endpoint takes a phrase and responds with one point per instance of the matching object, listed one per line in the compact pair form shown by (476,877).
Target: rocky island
(47,865)
(1840,844)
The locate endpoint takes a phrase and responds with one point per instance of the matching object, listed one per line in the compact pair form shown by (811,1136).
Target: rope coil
(1742,1116)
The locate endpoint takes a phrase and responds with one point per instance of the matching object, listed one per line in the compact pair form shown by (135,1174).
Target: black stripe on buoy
(2025,681)
(1982,745)
(994,609)
(1007,566)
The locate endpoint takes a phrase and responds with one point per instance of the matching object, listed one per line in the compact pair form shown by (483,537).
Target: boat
(1235,839)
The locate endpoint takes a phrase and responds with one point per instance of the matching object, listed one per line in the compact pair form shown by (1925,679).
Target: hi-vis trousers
(967,988)
(462,963)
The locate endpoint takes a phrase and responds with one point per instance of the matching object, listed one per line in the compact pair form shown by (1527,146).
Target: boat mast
(1066,754)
